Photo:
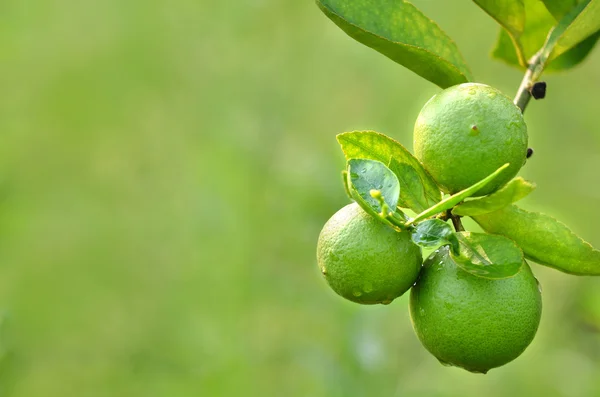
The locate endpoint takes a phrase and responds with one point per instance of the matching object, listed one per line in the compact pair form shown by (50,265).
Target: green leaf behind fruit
(514,190)
(488,255)
(419,190)
(398,30)
(543,239)
(367,175)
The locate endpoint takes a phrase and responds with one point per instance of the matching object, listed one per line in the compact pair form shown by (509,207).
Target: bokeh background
(166,167)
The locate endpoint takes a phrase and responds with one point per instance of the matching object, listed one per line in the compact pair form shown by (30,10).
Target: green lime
(468,131)
(365,260)
(472,322)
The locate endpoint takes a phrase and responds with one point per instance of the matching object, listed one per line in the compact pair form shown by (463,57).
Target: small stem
(458,226)
(399,223)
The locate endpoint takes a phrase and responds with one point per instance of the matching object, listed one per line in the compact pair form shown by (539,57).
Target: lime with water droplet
(365,260)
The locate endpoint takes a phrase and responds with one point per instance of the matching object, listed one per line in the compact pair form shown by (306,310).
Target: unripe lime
(472,322)
(365,260)
(468,131)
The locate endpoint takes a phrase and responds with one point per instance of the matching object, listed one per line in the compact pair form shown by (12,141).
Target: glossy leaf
(451,201)
(574,27)
(364,176)
(419,190)
(434,232)
(398,30)
(513,191)
(510,14)
(543,239)
(488,255)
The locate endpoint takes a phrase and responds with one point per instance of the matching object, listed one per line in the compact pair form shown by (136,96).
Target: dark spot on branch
(538,91)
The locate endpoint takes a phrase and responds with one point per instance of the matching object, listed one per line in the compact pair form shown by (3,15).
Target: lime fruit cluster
(461,136)
(473,322)
(468,131)
(364,260)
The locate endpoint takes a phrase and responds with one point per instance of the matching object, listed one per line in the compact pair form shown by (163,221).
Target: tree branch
(536,66)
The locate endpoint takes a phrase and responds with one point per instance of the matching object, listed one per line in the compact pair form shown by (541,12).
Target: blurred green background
(166,167)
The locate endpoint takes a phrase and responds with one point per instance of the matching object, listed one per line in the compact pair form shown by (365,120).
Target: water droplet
(538,285)
(445,363)
(386,302)
(356,293)
(471,91)
(368,287)
(492,94)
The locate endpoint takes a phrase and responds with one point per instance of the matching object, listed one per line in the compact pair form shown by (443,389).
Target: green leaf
(574,27)
(345,182)
(513,191)
(558,8)
(488,255)
(505,51)
(364,176)
(419,190)
(574,56)
(510,14)
(451,201)
(543,239)
(434,232)
(538,23)
(398,30)
(565,28)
